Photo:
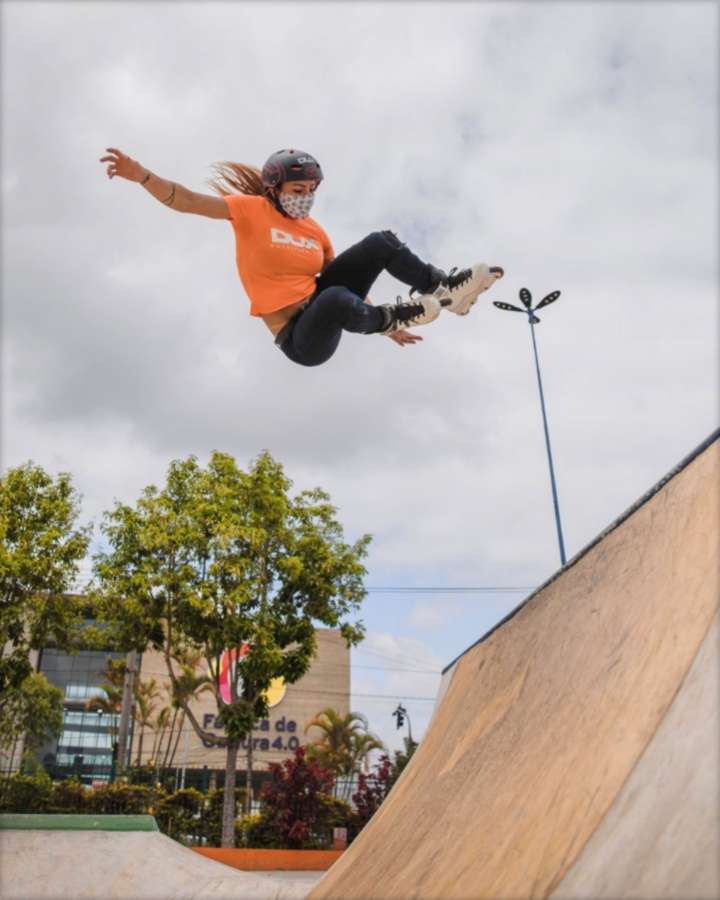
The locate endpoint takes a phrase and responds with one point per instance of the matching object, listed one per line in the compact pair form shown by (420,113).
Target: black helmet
(290,165)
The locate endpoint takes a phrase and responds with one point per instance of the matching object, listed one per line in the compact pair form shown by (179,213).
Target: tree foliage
(226,563)
(33,710)
(374,787)
(40,550)
(400,760)
(372,790)
(344,744)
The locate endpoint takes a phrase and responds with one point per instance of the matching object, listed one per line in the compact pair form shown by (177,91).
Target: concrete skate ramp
(575,751)
(98,864)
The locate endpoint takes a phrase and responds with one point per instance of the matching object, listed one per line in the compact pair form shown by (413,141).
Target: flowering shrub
(292,799)
(372,790)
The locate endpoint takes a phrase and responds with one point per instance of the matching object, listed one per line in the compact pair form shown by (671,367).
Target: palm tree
(344,744)
(189,685)
(362,745)
(145,693)
(110,701)
(160,727)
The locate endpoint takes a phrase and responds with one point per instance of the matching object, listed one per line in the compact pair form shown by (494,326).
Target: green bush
(211,824)
(31,765)
(142,775)
(25,793)
(69,796)
(257,831)
(123,799)
(188,816)
(332,813)
(180,816)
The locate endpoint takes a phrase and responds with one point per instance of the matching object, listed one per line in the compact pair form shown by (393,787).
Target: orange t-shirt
(277,257)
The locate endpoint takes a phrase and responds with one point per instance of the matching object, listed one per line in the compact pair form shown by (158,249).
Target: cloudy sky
(573,143)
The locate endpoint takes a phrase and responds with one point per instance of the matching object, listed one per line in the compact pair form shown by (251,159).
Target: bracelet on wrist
(145,179)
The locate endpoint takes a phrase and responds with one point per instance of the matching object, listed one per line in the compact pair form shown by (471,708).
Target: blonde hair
(237,178)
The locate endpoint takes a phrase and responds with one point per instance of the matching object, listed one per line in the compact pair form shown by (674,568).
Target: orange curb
(269,860)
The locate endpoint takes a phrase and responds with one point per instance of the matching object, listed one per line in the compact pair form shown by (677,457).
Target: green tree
(400,760)
(40,551)
(222,560)
(344,745)
(33,711)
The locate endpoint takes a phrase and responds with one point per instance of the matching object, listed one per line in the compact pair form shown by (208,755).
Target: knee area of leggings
(338,296)
(384,242)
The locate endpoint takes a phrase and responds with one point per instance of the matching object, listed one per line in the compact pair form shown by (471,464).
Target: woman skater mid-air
(305,294)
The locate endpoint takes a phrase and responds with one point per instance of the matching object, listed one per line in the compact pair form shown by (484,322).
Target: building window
(99,720)
(83,691)
(85,739)
(97,759)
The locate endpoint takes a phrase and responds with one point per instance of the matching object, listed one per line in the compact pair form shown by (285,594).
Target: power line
(447,590)
(408,662)
(352,693)
(404,589)
(400,657)
(354,665)
(411,661)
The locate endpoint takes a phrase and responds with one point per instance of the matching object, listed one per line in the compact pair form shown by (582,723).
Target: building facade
(292,706)
(173,750)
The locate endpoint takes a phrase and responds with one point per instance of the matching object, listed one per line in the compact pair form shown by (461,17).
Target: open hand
(403,337)
(123,165)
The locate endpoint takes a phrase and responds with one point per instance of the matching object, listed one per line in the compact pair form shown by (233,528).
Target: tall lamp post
(526,300)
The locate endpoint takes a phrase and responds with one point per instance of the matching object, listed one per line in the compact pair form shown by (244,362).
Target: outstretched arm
(171,194)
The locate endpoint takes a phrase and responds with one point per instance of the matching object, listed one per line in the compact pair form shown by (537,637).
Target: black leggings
(312,336)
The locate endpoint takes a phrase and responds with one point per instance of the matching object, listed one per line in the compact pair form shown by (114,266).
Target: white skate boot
(461,289)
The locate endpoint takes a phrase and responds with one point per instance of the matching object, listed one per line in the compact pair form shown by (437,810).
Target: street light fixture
(400,715)
(533,320)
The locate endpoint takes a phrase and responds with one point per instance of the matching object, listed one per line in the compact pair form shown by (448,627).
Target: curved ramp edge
(118,865)
(544,721)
